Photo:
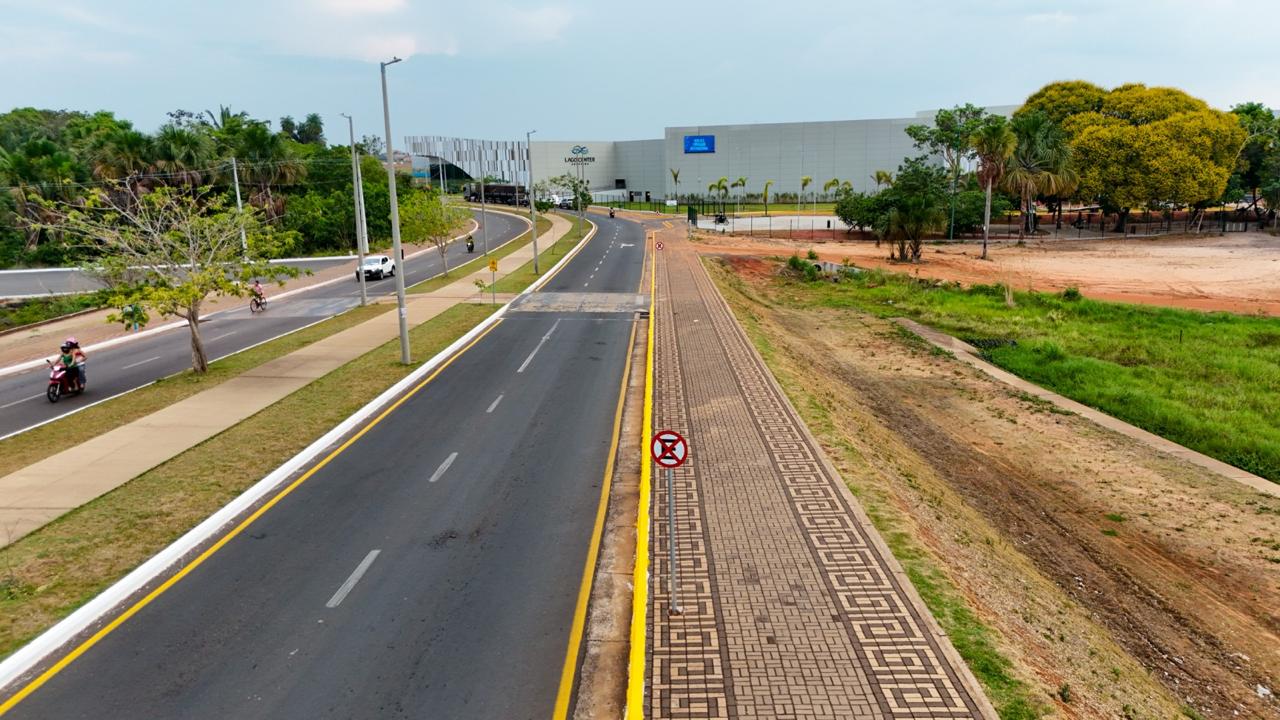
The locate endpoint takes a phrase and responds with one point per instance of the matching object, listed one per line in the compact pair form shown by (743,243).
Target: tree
(169,251)
(1039,165)
(184,154)
(948,138)
(741,184)
(1138,146)
(720,187)
(370,145)
(767,184)
(882,178)
(1261,150)
(832,184)
(805,181)
(993,144)
(424,217)
(916,205)
(309,132)
(675,180)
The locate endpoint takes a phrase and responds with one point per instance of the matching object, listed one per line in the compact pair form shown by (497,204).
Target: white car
(376,267)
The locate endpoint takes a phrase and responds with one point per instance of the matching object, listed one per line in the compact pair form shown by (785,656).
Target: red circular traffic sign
(669,448)
(657,245)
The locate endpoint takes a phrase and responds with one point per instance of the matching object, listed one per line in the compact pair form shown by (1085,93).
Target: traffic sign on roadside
(669,449)
(493,265)
(657,245)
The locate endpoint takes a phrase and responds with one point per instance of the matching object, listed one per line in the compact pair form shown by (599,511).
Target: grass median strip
(481,261)
(47,440)
(547,257)
(49,573)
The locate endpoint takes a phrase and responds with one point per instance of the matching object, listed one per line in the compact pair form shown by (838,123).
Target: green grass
(973,639)
(49,573)
(520,278)
(35,310)
(35,445)
(435,283)
(1209,381)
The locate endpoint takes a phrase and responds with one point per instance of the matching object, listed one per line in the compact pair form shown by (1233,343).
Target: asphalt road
(124,367)
(465,518)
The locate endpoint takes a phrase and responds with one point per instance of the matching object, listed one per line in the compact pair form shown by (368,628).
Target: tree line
(302,185)
(1126,149)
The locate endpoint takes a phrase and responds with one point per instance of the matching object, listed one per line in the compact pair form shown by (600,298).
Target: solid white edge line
(21,662)
(444,466)
(24,366)
(492,405)
(352,579)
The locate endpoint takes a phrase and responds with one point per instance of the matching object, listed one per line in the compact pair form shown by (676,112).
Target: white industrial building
(847,150)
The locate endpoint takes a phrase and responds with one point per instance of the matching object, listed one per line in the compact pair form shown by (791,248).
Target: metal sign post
(493,279)
(670,450)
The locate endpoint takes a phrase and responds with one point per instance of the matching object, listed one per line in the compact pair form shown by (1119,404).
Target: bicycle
(257,304)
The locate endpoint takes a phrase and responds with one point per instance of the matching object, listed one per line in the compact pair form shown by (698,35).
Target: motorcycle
(62,382)
(610,212)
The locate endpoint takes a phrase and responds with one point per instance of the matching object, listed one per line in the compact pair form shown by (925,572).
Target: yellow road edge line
(640,579)
(567,674)
(199,559)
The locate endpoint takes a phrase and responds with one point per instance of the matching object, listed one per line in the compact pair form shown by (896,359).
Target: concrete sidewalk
(40,492)
(792,605)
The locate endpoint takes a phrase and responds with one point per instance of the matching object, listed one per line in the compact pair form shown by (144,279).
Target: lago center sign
(580,155)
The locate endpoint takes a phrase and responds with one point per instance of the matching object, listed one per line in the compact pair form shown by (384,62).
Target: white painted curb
(21,662)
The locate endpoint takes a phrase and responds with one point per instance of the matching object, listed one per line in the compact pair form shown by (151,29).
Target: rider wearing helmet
(77,357)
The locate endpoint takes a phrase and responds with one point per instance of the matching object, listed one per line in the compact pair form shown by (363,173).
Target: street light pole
(235,178)
(533,203)
(484,218)
(355,198)
(396,253)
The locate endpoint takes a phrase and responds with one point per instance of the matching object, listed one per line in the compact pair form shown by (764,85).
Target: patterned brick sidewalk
(792,606)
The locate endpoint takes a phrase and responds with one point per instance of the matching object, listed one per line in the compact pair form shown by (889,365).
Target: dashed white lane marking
(233,332)
(15,402)
(541,342)
(141,362)
(494,404)
(585,284)
(358,573)
(443,467)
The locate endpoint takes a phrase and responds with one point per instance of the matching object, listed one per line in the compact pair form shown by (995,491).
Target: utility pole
(355,199)
(484,219)
(235,178)
(533,204)
(396,252)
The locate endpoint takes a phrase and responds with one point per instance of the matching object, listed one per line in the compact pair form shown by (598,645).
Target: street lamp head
(392,61)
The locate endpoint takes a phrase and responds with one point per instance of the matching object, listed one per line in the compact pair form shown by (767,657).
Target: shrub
(1072,294)
(812,255)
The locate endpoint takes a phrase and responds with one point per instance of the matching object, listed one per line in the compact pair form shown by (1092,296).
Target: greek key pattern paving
(686,655)
(790,609)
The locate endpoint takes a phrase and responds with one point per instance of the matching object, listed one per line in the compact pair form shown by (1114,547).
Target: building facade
(845,150)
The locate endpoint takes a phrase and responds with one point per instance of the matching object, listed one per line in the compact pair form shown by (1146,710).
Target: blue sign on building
(699,144)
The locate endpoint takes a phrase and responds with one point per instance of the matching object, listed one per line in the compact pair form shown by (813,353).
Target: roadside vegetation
(28,311)
(49,573)
(1209,381)
(480,261)
(301,185)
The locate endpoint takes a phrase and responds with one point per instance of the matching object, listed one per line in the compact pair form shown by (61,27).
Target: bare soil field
(1236,272)
(1120,582)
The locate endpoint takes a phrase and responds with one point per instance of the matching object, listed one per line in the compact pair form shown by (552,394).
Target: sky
(605,70)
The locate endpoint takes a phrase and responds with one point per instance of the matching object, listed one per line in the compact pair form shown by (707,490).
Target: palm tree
(269,160)
(993,145)
(722,186)
(1039,165)
(767,184)
(882,178)
(828,186)
(804,185)
(183,154)
(741,182)
(675,179)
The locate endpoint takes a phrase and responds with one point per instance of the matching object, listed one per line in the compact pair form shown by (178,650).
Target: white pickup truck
(376,267)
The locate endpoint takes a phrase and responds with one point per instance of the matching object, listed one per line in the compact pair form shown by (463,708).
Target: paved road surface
(127,366)
(478,497)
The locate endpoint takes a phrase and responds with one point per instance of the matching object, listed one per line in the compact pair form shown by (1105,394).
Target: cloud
(539,24)
(363,7)
(1056,17)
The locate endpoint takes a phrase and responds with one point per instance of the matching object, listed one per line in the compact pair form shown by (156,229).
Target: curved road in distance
(430,570)
(121,368)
